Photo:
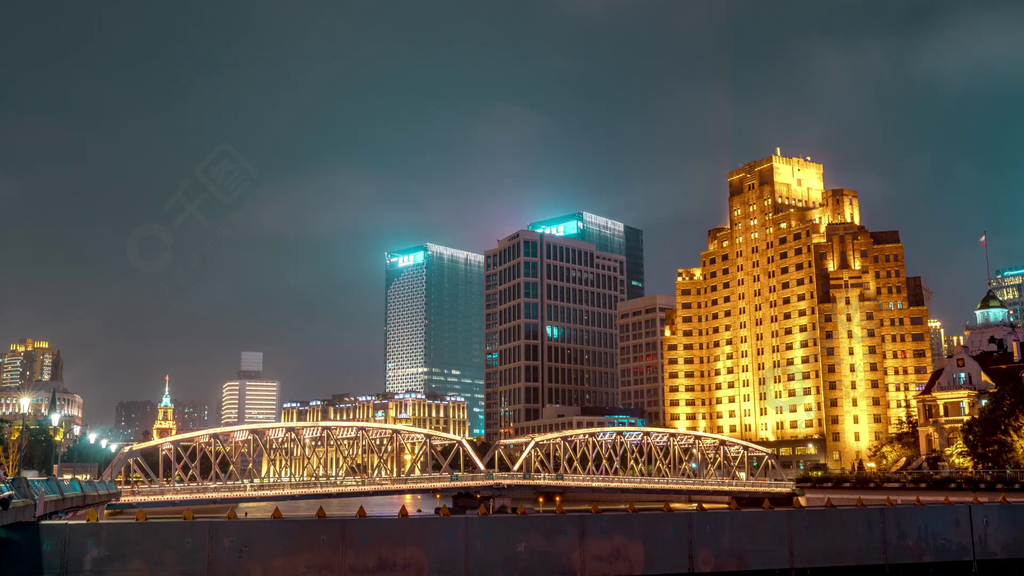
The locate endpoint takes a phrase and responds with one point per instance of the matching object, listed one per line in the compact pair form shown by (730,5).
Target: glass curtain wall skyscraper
(607,236)
(550,330)
(434,329)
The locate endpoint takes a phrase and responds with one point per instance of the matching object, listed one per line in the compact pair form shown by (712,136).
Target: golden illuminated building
(799,323)
(420,410)
(164,425)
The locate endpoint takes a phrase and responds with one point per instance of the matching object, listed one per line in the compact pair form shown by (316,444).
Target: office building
(31,361)
(937,338)
(191,415)
(428,411)
(164,425)
(607,236)
(1008,286)
(799,323)
(251,399)
(434,325)
(550,337)
(132,419)
(990,358)
(641,327)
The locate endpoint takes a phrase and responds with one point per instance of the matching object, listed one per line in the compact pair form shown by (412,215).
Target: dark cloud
(383,126)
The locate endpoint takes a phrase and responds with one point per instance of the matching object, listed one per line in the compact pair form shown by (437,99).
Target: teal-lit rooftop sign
(1002,273)
(400,260)
(564,228)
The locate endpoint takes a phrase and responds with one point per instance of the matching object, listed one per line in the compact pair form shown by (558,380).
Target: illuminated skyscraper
(434,325)
(550,332)
(31,360)
(250,399)
(607,236)
(800,324)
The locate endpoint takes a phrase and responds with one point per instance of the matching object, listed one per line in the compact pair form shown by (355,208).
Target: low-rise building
(989,357)
(557,418)
(38,395)
(427,411)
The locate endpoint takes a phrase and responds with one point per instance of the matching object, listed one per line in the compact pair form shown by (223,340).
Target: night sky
(383,125)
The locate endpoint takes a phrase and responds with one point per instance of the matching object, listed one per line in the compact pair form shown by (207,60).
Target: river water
(415,504)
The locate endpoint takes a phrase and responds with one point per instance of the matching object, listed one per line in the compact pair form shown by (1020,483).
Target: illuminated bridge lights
(268,459)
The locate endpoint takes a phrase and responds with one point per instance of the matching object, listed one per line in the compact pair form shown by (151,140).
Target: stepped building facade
(799,324)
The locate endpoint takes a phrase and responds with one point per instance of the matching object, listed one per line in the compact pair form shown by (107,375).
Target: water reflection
(415,504)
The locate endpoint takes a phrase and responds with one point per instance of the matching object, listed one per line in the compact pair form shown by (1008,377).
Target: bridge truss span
(638,453)
(318,459)
(292,452)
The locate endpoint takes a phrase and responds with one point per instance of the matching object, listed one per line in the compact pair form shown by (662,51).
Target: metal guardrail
(1004,476)
(448,481)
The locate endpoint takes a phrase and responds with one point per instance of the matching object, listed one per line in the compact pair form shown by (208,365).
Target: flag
(982,240)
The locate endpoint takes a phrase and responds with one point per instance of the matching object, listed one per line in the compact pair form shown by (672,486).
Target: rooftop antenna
(778,151)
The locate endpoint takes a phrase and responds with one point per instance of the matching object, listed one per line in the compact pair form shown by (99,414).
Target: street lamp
(103,443)
(24,402)
(92,437)
(113,448)
(77,429)
(55,419)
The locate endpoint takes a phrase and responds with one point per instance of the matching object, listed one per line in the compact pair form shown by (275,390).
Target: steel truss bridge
(321,459)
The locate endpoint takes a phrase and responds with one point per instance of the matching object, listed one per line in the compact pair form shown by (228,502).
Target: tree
(958,456)
(38,454)
(995,437)
(903,444)
(10,447)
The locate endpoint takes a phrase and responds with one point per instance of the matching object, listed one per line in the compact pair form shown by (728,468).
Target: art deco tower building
(800,324)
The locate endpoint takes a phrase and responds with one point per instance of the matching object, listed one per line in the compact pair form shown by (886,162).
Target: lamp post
(55,419)
(24,410)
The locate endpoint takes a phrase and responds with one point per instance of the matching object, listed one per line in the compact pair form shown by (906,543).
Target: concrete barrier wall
(812,540)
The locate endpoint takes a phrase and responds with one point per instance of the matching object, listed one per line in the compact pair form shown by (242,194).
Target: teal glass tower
(435,325)
(608,236)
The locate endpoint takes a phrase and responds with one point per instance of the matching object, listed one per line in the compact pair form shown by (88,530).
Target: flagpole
(988,273)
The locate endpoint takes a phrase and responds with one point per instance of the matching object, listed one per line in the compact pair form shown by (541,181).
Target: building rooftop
(990,301)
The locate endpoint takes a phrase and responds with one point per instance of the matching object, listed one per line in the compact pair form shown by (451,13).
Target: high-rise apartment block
(250,399)
(31,360)
(434,325)
(550,334)
(607,236)
(191,415)
(799,323)
(641,326)
(1008,285)
(132,419)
